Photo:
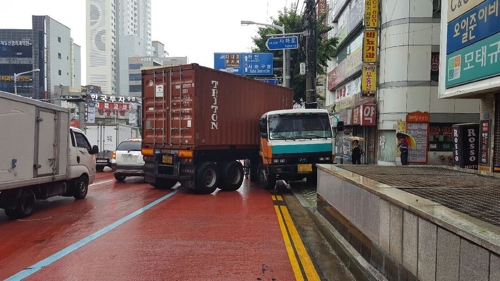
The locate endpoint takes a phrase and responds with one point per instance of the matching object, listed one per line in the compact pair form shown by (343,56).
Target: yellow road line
(288,230)
(289,247)
(304,257)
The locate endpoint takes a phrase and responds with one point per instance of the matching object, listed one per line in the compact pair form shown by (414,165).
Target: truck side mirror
(263,128)
(94,150)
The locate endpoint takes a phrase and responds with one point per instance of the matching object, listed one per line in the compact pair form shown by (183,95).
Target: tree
(326,47)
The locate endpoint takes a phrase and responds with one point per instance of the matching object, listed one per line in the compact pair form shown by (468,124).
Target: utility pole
(310,26)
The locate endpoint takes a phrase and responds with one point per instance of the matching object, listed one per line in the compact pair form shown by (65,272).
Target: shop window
(440,137)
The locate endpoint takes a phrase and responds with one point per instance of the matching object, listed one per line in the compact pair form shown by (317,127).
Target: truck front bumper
(293,169)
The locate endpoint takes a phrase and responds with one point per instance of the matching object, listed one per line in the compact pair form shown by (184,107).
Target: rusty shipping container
(212,114)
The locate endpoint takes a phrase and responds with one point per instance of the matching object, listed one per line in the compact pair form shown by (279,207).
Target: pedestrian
(403,148)
(356,153)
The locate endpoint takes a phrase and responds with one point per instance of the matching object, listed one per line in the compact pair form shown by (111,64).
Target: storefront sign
(465,146)
(368,114)
(420,132)
(457,8)
(477,61)
(418,117)
(323,9)
(355,15)
(345,69)
(370,46)
(356,116)
(484,143)
(19,79)
(354,87)
(371,13)
(368,79)
(477,24)
(105,98)
(346,102)
(15,43)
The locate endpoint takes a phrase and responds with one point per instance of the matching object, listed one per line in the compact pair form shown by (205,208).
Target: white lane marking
(51,259)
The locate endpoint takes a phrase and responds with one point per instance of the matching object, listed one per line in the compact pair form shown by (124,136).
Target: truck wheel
(206,178)
(162,183)
(119,177)
(232,176)
(266,180)
(81,187)
(99,168)
(25,205)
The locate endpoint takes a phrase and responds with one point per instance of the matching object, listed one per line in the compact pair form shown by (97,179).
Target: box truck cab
(292,142)
(41,155)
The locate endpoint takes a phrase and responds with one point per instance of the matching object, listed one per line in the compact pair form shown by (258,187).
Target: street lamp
(286,81)
(19,74)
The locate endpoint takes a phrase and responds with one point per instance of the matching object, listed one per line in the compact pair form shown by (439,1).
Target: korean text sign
(473,26)
(371,13)
(477,61)
(370,46)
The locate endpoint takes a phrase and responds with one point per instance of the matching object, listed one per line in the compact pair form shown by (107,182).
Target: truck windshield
(299,125)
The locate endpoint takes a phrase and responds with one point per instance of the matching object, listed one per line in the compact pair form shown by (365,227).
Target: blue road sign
(273,81)
(252,64)
(280,43)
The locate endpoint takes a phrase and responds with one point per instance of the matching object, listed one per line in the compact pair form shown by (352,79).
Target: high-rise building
(116,30)
(46,54)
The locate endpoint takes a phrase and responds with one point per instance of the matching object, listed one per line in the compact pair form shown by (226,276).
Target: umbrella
(409,139)
(352,138)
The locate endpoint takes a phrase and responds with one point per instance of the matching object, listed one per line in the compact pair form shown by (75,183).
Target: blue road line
(49,260)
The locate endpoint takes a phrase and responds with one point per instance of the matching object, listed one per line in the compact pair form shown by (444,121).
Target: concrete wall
(399,242)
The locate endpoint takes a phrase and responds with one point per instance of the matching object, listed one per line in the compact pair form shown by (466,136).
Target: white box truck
(107,137)
(40,155)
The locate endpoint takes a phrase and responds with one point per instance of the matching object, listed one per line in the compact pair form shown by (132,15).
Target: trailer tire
(266,180)
(206,178)
(162,183)
(81,187)
(232,176)
(119,177)
(25,205)
(254,171)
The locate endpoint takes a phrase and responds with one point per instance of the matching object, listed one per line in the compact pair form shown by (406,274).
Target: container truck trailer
(198,122)
(40,155)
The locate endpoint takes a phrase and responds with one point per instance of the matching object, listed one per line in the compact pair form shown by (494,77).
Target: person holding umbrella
(403,148)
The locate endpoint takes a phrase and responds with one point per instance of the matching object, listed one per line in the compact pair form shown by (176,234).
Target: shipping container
(198,114)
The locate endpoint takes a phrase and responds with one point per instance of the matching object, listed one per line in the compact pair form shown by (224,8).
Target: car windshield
(129,146)
(299,125)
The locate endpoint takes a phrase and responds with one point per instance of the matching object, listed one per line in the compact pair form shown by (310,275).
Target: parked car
(127,160)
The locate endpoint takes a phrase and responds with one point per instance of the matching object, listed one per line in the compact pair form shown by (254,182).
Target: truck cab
(292,142)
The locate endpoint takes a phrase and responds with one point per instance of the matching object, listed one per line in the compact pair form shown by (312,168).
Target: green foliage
(293,21)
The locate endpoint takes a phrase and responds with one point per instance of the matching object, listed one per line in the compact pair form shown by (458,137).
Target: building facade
(135,65)
(470,47)
(47,47)
(385,80)
(116,30)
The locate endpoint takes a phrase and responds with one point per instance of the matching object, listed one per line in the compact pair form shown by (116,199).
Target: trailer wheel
(206,178)
(161,183)
(25,205)
(232,176)
(81,187)
(119,177)
(254,171)
(266,180)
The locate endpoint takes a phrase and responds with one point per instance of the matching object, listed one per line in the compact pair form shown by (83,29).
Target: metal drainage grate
(469,193)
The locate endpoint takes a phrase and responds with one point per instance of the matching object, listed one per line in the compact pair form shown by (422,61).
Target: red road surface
(222,236)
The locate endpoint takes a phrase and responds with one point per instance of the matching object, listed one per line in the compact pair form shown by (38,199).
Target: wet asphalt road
(130,231)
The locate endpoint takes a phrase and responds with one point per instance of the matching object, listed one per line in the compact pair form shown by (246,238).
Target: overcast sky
(196,28)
